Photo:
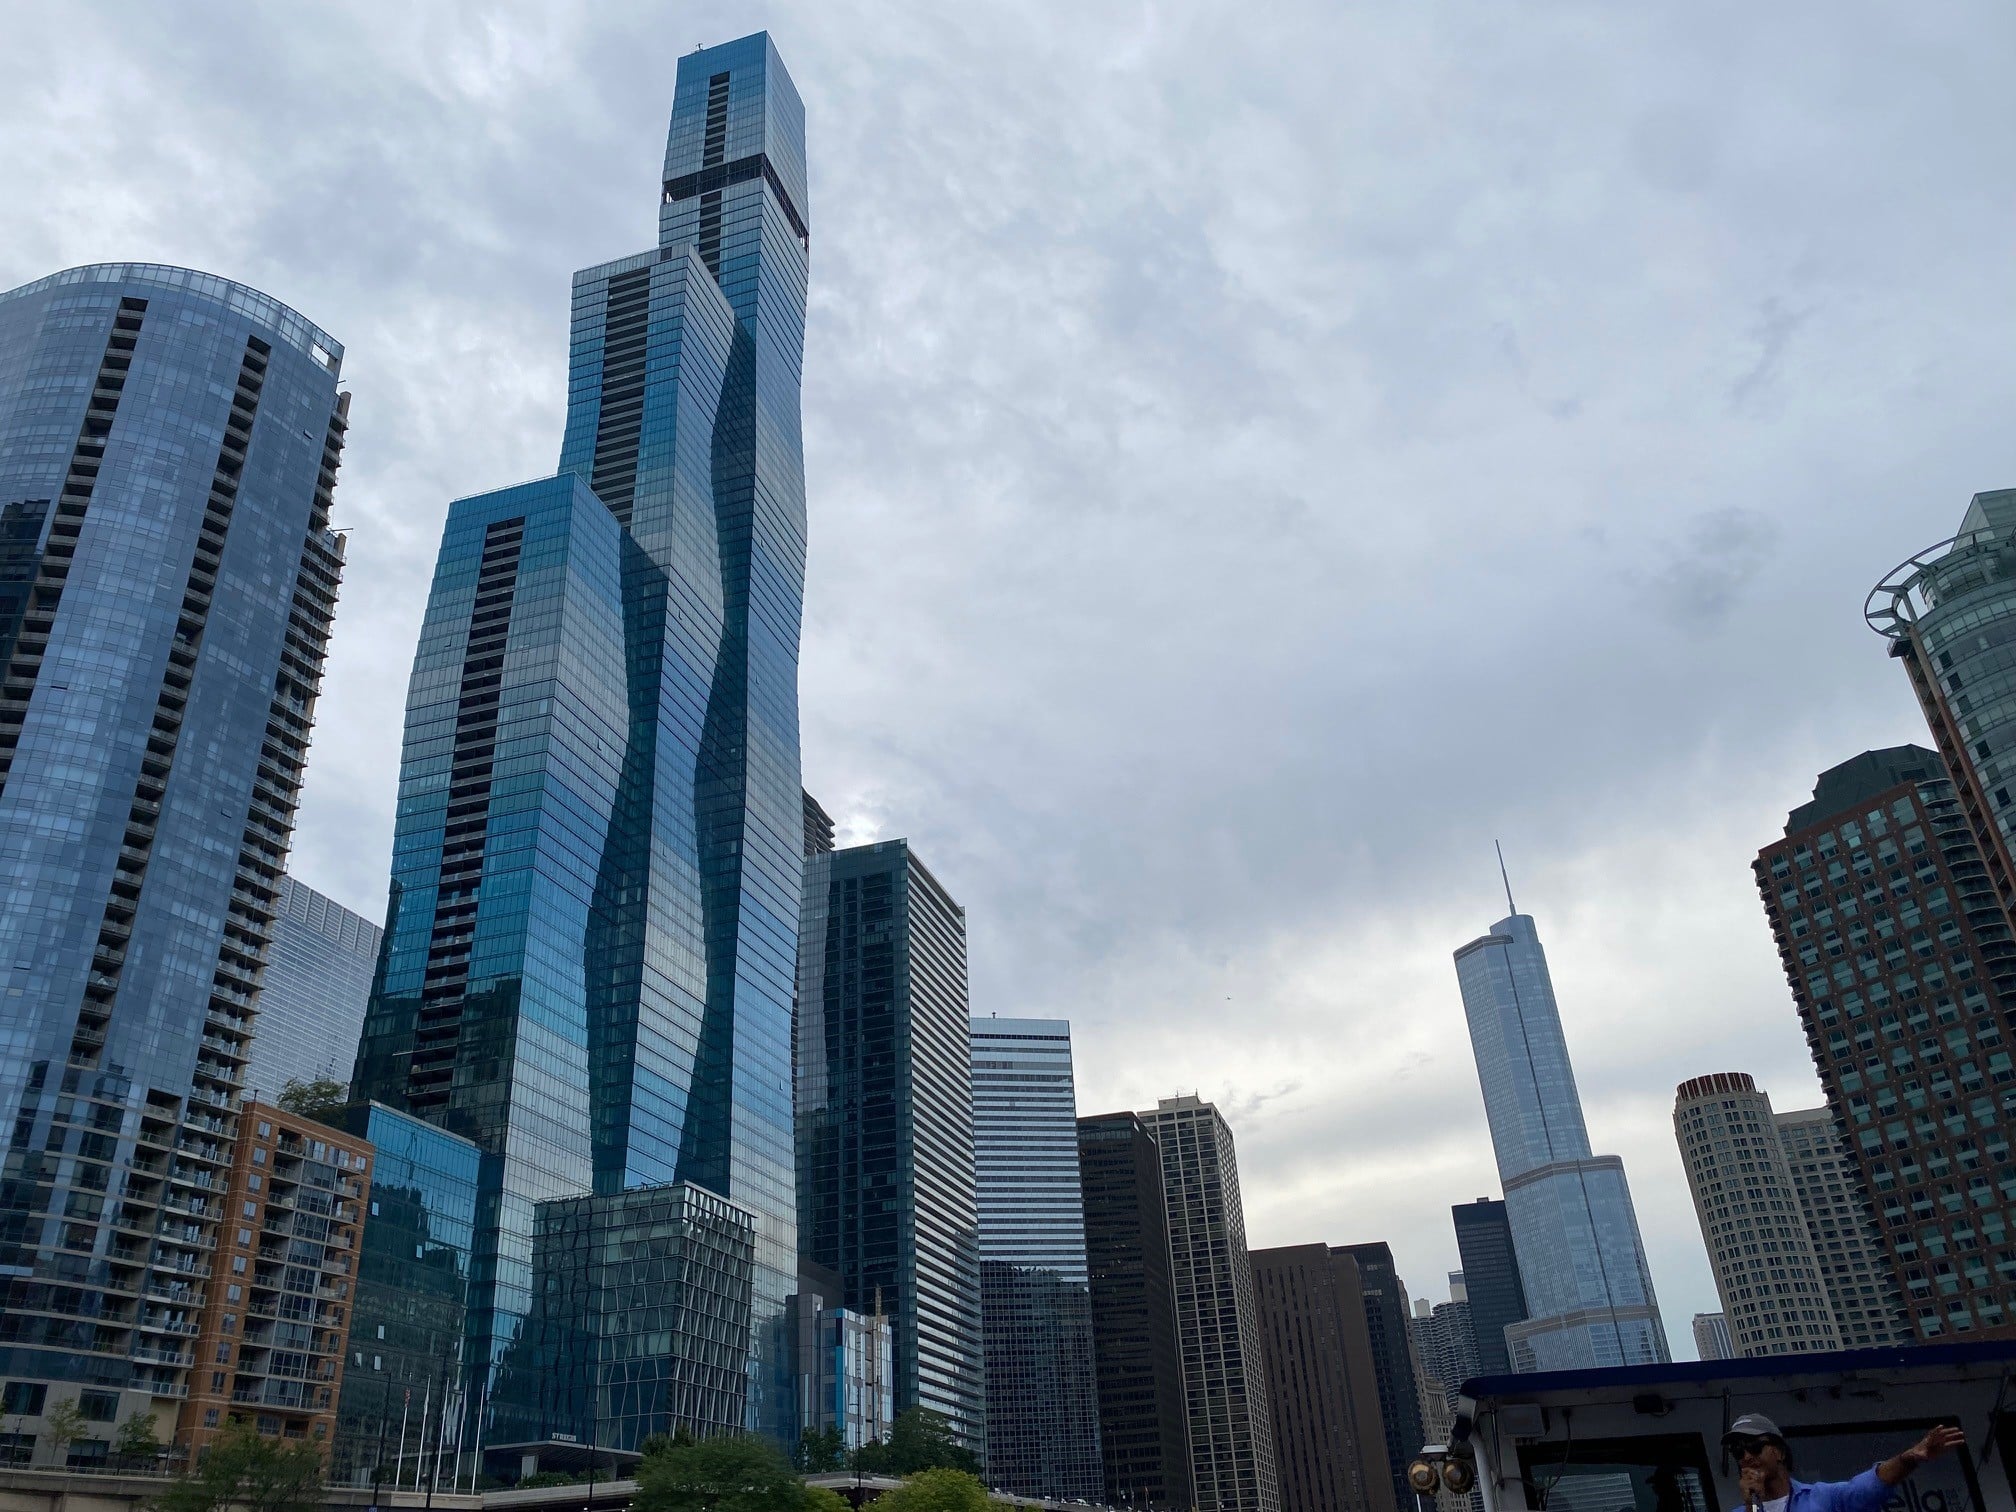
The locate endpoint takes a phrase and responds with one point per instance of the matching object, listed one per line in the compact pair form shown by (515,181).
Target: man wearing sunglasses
(1766,1464)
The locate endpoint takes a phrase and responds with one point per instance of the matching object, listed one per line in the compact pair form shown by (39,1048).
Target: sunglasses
(1743,1443)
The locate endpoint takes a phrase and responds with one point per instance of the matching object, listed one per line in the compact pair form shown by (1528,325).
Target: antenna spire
(1510,906)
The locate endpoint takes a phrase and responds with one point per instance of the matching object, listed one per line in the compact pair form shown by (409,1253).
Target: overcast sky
(1257,455)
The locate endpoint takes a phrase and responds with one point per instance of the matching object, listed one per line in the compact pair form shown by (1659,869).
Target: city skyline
(1634,854)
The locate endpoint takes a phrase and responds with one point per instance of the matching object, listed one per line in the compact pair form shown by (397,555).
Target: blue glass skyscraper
(168,447)
(313,995)
(1589,1297)
(594,911)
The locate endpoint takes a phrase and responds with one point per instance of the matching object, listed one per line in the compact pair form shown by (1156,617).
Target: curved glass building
(1588,1288)
(1949,614)
(168,446)
(592,934)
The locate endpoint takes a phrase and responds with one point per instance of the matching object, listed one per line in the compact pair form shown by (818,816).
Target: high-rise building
(407,1340)
(1946,613)
(1711,1337)
(1224,1373)
(168,447)
(1589,1297)
(1490,1278)
(885,1117)
(313,995)
(846,1365)
(1322,1389)
(1900,961)
(1446,1339)
(1144,1429)
(272,1340)
(1868,1311)
(1386,1315)
(594,901)
(1751,1219)
(818,828)
(1036,1310)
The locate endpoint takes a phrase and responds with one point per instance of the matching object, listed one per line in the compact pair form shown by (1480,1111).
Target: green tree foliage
(819,1499)
(540,1478)
(320,1099)
(250,1473)
(65,1425)
(819,1452)
(939,1490)
(735,1472)
(919,1439)
(137,1443)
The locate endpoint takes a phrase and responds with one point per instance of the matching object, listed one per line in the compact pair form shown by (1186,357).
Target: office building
(1491,1281)
(1589,1297)
(1036,1310)
(313,995)
(846,1363)
(1751,1219)
(1217,1323)
(1900,959)
(1711,1337)
(1445,1339)
(1868,1310)
(1322,1389)
(272,1338)
(1386,1315)
(818,827)
(594,900)
(412,1302)
(168,448)
(885,1118)
(1144,1428)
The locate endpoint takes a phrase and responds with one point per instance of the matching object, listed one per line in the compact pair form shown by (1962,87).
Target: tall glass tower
(1589,1297)
(168,447)
(1035,1300)
(594,907)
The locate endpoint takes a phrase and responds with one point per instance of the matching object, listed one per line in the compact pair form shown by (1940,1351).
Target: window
(98,1406)
(23,1398)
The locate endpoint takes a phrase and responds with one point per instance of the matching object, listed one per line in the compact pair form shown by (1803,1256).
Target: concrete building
(1322,1386)
(1711,1337)
(1232,1465)
(1882,898)
(1853,1267)
(1386,1319)
(1751,1218)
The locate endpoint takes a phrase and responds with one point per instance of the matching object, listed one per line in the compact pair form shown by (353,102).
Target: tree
(734,1472)
(935,1491)
(245,1471)
(820,1499)
(820,1452)
(137,1442)
(320,1099)
(919,1439)
(66,1425)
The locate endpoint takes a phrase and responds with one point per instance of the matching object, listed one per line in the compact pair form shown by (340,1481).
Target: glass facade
(1036,1311)
(406,1333)
(1386,1315)
(168,448)
(1490,1279)
(885,1117)
(312,997)
(594,905)
(1224,1372)
(1902,964)
(1582,1263)
(1144,1430)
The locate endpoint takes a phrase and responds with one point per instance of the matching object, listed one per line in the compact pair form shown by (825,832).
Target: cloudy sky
(1257,456)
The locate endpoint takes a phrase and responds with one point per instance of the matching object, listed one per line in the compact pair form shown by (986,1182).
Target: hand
(1941,1440)
(1752,1483)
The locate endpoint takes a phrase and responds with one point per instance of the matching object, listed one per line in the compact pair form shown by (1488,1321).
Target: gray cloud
(1255,458)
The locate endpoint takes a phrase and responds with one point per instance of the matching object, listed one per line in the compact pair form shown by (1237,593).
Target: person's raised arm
(1940,1440)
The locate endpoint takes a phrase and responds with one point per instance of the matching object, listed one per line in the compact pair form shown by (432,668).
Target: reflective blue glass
(168,447)
(312,997)
(594,915)
(1581,1261)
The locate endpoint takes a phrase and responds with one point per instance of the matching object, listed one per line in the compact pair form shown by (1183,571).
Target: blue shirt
(1865,1493)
